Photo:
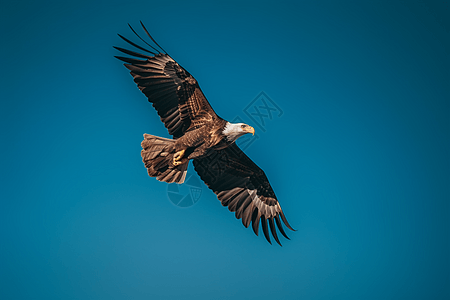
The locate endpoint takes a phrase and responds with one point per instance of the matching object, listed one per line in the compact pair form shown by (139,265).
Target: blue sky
(359,158)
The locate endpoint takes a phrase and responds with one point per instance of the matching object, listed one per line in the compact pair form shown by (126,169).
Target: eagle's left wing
(242,186)
(174,93)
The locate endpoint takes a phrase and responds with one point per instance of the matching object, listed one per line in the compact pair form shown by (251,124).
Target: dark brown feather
(135,45)
(255,220)
(273,230)
(280,227)
(265,229)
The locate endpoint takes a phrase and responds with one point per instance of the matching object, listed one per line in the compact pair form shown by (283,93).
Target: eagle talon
(179,162)
(177,158)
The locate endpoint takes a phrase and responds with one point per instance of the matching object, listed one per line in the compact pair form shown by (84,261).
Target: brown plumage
(199,134)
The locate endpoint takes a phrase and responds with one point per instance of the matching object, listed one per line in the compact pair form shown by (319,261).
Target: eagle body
(197,141)
(201,136)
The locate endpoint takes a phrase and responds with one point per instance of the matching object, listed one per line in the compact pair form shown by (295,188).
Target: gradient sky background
(359,159)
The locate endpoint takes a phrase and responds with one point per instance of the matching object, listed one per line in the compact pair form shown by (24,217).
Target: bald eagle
(200,135)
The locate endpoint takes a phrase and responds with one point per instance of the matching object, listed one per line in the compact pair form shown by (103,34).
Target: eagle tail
(157,155)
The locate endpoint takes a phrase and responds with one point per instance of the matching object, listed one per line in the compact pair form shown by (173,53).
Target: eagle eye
(243,126)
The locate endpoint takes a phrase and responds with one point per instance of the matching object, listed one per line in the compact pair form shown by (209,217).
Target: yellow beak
(251,130)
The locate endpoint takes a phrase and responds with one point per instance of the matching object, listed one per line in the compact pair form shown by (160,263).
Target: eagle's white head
(234,130)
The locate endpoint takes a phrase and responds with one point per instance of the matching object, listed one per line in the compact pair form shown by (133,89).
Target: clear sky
(357,152)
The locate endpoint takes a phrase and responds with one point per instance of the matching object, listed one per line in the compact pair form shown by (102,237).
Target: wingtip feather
(286,222)
(146,31)
(255,221)
(135,45)
(280,226)
(132,29)
(265,229)
(274,231)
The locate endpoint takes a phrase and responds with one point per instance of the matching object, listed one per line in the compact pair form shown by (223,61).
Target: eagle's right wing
(174,92)
(242,186)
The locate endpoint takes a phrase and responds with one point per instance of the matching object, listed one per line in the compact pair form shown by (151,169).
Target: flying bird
(200,135)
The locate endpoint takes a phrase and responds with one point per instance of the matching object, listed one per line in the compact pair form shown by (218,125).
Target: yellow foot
(179,162)
(177,158)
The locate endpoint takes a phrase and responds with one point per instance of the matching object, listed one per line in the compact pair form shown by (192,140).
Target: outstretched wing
(242,186)
(175,94)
